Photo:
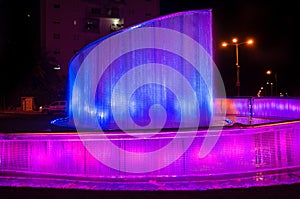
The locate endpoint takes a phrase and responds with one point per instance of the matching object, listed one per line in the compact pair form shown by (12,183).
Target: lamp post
(269,72)
(237,44)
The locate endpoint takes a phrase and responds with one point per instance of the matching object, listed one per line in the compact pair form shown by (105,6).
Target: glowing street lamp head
(224,44)
(250,41)
(236,43)
(268,72)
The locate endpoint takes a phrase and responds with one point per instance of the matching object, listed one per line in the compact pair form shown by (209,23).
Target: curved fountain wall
(156,75)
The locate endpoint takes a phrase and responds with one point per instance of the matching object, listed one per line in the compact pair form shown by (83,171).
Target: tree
(42,82)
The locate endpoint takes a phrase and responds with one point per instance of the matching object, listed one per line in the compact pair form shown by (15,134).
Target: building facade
(69,25)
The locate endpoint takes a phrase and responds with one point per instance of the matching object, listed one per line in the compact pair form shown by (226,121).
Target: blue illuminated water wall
(155,75)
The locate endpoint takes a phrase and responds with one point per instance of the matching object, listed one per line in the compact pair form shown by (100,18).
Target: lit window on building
(116,24)
(114,27)
(91,25)
(57,67)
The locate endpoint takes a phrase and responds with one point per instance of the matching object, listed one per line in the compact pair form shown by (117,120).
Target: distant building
(69,25)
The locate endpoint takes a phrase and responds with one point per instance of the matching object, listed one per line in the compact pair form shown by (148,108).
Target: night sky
(272,25)
(19,43)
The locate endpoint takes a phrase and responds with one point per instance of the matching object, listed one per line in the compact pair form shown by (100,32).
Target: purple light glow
(257,107)
(158,75)
(249,155)
(239,153)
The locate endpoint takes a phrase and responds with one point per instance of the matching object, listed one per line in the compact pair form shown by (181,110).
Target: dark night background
(19,47)
(272,25)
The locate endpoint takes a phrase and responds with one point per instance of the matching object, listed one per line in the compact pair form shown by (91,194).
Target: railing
(259,107)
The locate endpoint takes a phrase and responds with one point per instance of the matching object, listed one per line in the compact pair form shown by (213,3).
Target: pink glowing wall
(260,107)
(238,151)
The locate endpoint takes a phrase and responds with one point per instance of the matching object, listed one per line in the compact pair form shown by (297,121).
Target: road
(13,122)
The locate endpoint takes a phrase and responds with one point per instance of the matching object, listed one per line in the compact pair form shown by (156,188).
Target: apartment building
(69,25)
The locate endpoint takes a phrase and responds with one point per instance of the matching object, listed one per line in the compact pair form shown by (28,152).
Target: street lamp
(237,44)
(269,72)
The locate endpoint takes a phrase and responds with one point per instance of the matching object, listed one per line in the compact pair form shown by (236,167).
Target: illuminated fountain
(163,66)
(142,81)
(149,108)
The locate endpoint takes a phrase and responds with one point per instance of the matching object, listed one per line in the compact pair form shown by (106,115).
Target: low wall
(260,107)
(237,151)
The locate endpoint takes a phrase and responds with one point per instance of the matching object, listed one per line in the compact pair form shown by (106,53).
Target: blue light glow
(165,58)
